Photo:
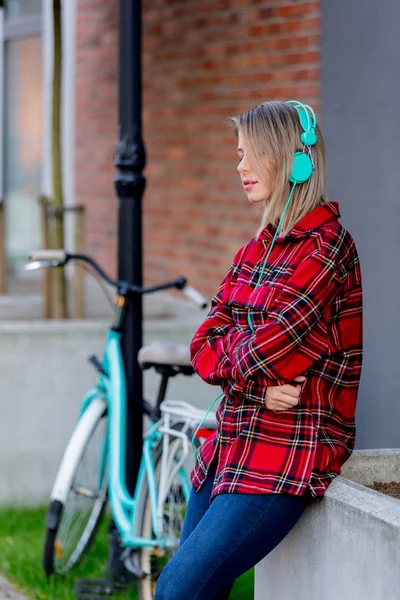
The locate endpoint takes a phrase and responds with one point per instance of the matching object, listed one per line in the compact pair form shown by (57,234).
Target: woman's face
(257,190)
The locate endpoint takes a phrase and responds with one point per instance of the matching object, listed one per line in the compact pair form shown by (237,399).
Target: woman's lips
(248,184)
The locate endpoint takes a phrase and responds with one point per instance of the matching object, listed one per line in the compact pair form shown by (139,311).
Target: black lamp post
(130,183)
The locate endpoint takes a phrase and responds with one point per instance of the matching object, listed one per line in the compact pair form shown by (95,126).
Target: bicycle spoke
(85,502)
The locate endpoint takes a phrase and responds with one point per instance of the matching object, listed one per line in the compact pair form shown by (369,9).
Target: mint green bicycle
(93,465)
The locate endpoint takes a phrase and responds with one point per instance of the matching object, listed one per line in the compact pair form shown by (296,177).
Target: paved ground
(7,592)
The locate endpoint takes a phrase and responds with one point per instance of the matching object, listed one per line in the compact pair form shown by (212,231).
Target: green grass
(21,541)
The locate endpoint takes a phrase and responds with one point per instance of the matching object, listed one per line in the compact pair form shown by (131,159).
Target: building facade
(204,61)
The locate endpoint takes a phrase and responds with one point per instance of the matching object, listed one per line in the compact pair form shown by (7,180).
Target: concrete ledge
(347,547)
(367,466)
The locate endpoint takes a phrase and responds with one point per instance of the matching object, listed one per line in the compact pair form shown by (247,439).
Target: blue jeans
(223,540)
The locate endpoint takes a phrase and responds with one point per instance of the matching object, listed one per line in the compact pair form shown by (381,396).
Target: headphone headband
(304,111)
(308,137)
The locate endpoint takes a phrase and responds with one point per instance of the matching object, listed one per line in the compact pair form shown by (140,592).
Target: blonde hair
(271,132)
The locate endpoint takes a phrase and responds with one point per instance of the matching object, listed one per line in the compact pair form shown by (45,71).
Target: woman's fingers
(284,397)
(282,402)
(281,408)
(287,400)
(289,390)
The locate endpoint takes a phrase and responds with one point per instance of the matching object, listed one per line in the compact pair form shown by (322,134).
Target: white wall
(43,376)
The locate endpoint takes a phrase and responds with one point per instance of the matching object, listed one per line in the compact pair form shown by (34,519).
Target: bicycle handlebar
(195,296)
(59,258)
(41,255)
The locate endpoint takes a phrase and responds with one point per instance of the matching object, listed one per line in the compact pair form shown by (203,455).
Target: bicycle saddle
(162,352)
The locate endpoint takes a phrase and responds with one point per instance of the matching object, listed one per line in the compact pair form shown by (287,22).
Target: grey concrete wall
(361,123)
(43,376)
(346,547)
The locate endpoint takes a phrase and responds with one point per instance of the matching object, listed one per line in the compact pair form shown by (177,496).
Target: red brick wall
(96,123)
(203,61)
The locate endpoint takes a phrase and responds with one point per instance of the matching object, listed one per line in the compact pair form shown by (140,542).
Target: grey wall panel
(360,114)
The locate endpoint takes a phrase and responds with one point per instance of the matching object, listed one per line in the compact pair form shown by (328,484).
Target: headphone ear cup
(302,168)
(309,137)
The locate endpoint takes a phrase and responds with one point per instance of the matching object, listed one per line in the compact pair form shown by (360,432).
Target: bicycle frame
(112,389)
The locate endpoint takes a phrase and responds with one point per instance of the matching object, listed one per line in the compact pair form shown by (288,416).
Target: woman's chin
(254,199)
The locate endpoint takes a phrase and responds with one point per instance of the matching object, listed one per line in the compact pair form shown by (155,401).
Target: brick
(203,61)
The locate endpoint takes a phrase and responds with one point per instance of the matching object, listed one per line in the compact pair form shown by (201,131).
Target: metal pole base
(91,589)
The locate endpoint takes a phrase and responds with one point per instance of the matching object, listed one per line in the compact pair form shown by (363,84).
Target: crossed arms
(293,337)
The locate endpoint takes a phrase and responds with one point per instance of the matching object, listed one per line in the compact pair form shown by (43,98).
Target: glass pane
(22,8)
(23,145)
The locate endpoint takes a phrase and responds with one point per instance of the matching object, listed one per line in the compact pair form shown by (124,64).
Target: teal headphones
(302,169)
(303,165)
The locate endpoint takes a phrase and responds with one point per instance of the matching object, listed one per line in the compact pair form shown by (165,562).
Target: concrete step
(20,307)
(23,302)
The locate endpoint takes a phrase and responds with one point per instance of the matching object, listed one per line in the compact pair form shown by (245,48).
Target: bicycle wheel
(80,492)
(153,560)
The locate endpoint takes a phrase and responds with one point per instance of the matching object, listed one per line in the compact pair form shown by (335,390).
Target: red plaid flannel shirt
(307,317)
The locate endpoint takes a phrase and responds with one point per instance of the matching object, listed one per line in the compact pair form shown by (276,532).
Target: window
(25,127)
(22,126)
(22,8)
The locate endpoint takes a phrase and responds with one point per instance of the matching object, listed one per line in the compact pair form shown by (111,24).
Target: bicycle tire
(69,487)
(146,585)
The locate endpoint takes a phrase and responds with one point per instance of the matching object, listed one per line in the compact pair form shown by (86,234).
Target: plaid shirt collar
(315,218)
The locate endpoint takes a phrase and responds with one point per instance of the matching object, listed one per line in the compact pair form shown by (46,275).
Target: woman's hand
(283,397)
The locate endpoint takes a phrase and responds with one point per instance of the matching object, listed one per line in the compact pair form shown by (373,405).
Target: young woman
(283,339)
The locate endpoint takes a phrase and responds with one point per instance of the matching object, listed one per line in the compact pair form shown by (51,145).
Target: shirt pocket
(237,303)
(259,302)
(245,299)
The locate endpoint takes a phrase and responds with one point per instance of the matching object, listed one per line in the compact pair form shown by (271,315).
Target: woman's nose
(242,167)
